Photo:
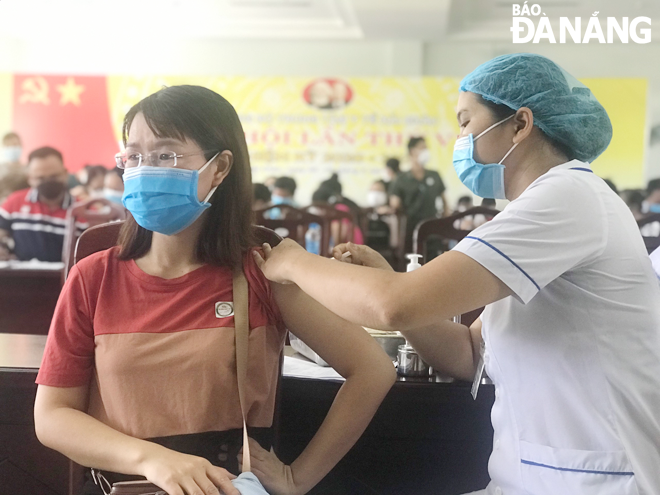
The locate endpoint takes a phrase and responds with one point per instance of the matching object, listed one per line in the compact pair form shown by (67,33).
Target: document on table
(31,265)
(298,366)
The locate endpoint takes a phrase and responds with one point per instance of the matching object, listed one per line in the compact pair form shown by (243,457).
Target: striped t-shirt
(37,229)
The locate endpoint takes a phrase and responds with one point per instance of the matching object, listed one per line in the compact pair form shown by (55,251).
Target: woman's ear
(524,124)
(224,162)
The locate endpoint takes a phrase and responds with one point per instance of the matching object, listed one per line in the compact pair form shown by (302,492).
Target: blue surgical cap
(564,108)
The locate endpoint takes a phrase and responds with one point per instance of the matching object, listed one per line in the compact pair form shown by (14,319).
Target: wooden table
(27,299)
(26,466)
(428,437)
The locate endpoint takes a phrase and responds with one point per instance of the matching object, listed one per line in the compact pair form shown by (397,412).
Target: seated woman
(139,373)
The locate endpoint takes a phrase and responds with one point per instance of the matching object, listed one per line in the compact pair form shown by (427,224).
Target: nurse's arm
(354,355)
(449,285)
(451,348)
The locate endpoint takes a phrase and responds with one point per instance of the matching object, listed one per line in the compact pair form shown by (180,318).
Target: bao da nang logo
(531,24)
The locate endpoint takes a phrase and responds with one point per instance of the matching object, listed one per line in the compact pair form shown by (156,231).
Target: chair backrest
(338,225)
(102,237)
(291,222)
(650,231)
(93,212)
(444,229)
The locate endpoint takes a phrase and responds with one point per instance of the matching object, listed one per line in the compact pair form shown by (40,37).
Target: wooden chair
(338,225)
(105,236)
(95,211)
(444,229)
(652,242)
(293,223)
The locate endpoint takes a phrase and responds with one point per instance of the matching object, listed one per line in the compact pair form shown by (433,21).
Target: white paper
(31,265)
(300,367)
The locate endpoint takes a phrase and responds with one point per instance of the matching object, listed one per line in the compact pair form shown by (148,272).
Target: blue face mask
(281,200)
(484,180)
(163,199)
(654,208)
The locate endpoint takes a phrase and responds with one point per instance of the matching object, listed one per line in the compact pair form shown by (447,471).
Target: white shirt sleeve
(655,259)
(554,226)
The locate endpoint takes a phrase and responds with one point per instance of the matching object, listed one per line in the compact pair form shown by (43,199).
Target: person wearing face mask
(13,176)
(32,220)
(571,331)
(419,192)
(284,188)
(113,185)
(139,375)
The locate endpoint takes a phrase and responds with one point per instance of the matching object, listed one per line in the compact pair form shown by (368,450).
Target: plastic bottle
(313,238)
(414,262)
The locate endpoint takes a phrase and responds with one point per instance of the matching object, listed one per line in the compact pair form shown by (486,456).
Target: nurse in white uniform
(572,319)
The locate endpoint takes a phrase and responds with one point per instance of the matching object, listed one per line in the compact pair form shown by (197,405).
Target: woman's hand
(183,474)
(276,476)
(360,255)
(276,262)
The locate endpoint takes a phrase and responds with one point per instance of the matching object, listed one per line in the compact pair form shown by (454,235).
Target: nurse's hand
(276,476)
(360,255)
(277,263)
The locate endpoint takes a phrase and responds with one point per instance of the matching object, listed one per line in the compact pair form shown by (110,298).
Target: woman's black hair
(501,112)
(203,116)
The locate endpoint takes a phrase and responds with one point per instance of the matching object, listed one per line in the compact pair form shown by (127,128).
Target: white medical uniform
(655,260)
(575,353)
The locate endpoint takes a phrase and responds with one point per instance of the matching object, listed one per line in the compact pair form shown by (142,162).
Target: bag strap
(241,329)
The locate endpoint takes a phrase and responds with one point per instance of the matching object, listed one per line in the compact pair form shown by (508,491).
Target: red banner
(70,113)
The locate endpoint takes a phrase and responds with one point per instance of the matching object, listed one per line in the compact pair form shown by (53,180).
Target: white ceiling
(426,20)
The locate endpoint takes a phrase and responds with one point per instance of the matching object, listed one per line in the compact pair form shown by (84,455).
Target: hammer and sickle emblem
(35,90)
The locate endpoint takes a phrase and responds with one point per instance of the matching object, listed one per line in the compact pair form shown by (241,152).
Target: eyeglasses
(166,159)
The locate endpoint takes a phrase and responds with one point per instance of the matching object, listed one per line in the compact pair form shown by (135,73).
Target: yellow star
(70,92)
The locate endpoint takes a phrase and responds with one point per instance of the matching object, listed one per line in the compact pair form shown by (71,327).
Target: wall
(321,58)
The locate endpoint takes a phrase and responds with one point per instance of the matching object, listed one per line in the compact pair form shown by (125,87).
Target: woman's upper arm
(49,398)
(341,344)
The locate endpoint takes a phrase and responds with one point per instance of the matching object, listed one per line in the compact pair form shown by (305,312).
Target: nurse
(572,320)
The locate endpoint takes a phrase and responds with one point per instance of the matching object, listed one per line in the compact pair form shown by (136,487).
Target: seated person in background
(467,222)
(32,220)
(325,195)
(651,206)
(13,175)
(634,198)
(377,197)
(92,186)
(480,219)
(283,190)
(261,196)
(139,373)
(652,202)
(334,186)
(464,203)
(392,171)
(113,185)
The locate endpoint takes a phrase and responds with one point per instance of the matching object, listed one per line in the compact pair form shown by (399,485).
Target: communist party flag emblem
(70,113)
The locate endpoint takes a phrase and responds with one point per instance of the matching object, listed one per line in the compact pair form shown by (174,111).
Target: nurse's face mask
(161,197)
(484,180)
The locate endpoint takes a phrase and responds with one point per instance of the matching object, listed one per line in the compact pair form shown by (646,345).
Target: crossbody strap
(241,326)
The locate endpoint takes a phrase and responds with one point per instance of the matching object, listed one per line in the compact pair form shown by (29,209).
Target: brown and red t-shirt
(158,355)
